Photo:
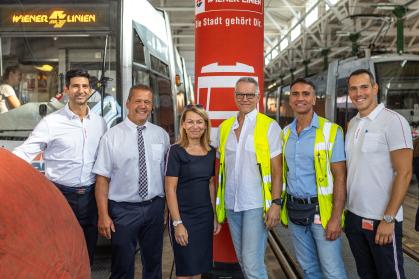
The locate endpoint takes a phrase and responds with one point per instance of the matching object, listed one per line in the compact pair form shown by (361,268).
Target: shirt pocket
(374,142)
(157,150)
(250,144)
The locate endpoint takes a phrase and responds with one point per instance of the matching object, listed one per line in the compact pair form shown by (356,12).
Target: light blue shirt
(299,154)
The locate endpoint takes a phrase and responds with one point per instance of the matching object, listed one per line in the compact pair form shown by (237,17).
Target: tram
(396,76)
(121,43)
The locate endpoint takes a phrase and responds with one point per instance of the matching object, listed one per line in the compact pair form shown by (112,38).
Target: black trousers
(372,260)
(137,223)
(83,204)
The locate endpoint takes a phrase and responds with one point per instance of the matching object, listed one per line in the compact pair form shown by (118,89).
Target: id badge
(367,224)
(317,219)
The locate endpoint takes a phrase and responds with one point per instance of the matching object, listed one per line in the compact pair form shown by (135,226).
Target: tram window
(159,66)
(345,110)
(141,77)
(163,113)
(398,86)
(286,115)
(138,49)
(43,62)
(271,101)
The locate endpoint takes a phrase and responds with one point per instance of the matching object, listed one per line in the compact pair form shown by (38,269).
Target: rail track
(285,260)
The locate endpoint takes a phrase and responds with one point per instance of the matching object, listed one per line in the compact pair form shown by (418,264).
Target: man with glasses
(129,188)
(314,185)
(250,178)
(69,139)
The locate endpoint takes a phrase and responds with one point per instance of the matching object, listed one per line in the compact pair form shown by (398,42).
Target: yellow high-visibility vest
(263,159)
(323,148)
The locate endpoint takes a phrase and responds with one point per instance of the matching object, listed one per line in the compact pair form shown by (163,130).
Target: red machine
(39,234)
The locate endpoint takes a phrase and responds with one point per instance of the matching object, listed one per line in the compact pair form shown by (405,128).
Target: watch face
(388,219)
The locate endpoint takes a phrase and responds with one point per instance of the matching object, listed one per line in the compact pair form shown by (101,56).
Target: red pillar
(228,45)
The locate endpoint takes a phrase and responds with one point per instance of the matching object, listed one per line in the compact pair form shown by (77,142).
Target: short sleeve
(213,156)
(338,153)
(274,139)
(173,162)
(398,133)
(103,164)
(7,91)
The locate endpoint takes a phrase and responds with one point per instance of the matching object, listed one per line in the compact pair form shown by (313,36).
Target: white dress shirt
(369,141)
(118,160)
(69,145)
(243,182)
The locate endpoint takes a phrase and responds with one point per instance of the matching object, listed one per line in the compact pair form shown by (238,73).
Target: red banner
(228,45)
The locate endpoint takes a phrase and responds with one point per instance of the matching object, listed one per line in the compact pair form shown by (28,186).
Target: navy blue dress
(194,173)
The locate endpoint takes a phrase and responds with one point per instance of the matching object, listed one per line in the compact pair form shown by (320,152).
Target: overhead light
(342,34)
(44,68)
(386,8)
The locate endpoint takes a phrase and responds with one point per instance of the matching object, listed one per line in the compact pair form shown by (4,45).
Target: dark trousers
(372,260)
(137,223)
(416,171)
(83,204)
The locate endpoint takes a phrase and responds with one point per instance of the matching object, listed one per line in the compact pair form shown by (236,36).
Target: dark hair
(10,69)
(139,87)
(361,72)
(75,73)
(305,81)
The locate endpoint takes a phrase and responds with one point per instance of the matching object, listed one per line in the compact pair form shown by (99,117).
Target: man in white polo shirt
(379,161)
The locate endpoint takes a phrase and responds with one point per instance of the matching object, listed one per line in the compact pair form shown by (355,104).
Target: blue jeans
(249,235)
(319,258)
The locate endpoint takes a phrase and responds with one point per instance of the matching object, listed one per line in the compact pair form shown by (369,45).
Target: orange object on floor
(39,235)
(223,249)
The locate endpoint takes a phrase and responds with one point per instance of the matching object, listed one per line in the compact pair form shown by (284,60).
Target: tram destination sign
(54,18)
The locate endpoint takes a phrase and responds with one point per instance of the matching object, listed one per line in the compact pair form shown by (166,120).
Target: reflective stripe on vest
(263,159)
(323,147)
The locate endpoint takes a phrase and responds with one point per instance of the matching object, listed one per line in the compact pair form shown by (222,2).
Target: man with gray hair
(248,193)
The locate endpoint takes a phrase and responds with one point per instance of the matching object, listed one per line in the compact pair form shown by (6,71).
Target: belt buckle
(81,191)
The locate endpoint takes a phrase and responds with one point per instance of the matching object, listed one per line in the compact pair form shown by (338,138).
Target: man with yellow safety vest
(249,178)
(314,189)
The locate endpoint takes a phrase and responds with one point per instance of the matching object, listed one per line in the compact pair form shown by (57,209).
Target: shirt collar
(72,115)
(314,123)
(373,114)
(132,125)
(249,116)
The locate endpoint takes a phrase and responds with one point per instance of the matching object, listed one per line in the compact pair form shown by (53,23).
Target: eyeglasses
(249,96)
(194,106)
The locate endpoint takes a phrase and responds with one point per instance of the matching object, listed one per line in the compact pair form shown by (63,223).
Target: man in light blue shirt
(314,179)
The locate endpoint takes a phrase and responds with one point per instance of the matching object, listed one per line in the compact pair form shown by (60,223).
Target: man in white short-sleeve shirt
(249,211)
(379,159)
(129,188)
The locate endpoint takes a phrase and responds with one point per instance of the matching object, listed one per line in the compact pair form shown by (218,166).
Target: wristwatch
(176,223)
(389,219)
(277,202)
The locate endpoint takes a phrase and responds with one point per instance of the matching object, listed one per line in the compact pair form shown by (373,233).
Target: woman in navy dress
(190,194)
